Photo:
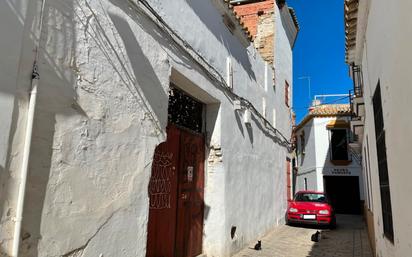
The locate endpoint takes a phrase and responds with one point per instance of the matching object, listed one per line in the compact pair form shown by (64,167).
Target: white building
(107,71)
(378,40)
(324,161)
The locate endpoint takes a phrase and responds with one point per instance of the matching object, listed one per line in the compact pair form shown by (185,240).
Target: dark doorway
(175,227)
(339,144)
(343,192)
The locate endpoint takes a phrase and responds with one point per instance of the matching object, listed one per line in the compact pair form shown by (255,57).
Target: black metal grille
(357,80)
(184,110)
(382,164)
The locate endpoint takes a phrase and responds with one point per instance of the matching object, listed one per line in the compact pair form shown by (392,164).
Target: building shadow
(213,20)
(143,70)
(55,95)
(348,239)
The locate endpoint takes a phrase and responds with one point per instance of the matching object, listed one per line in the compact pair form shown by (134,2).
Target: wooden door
(288,180)
(175,227)
(189,231)
(163,197)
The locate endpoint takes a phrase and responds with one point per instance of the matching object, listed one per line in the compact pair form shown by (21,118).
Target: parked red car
(310,207)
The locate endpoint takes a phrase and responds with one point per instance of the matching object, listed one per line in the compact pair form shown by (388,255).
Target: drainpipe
(27,144)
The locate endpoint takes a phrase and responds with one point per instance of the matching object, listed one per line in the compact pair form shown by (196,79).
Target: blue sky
(319,52)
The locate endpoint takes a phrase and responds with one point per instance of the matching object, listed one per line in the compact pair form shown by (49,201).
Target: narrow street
(200,128)
(348,240)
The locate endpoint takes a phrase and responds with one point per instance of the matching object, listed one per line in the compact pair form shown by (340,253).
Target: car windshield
(311,197)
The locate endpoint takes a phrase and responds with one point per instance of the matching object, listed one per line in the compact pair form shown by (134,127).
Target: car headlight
(325,212)
(293,210)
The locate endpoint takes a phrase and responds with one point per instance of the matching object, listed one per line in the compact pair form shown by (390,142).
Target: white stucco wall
(16,55)
(324,166)
(316,162)
(307,162)
(387,57)
(102,109)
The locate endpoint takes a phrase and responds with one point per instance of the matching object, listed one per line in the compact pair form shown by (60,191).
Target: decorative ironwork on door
(160,185)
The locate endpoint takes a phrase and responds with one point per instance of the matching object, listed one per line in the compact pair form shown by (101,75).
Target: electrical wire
(208,69)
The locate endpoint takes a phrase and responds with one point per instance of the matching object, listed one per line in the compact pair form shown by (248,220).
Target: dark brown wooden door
(190,197)
(176,187)
(163,197)
(288,180)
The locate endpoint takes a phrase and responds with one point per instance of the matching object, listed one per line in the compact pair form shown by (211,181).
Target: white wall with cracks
(105,70)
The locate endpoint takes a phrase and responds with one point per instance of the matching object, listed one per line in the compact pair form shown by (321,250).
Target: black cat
(315,237)
(258,246)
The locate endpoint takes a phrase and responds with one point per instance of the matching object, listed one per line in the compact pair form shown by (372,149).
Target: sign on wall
(340,171)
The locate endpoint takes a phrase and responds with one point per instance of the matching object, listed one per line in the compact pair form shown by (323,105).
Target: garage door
(343,192)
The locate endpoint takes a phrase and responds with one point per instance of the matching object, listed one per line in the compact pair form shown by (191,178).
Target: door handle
(183,196)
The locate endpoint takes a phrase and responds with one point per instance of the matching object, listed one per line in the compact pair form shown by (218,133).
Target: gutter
(27,143)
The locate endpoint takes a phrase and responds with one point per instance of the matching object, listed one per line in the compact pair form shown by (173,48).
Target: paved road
(348,240)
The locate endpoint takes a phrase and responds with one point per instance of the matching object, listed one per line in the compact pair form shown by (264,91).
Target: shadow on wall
(167,43)
(250,133)
(55,93)
(6,190)
(307,137)
(210,16)
(274,138)
(11,11)
(154,31)
(239,122)
(144,73)
(55,96)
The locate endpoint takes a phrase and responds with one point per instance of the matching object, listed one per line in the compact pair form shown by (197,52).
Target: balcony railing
(357,77)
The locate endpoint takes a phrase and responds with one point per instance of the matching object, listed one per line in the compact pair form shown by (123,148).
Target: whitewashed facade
(379,56)
(102,107)
(315,160)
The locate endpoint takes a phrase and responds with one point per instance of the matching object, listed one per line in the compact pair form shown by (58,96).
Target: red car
(310,207)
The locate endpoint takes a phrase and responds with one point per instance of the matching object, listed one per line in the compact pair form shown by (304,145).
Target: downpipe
(27,141)
(25,162)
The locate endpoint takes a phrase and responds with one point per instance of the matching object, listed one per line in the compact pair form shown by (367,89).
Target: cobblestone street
(348,240)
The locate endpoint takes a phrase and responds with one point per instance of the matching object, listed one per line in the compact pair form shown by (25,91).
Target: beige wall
(387,57)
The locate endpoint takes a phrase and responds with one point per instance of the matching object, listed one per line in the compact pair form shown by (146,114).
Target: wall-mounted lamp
(246,116)
(237,105)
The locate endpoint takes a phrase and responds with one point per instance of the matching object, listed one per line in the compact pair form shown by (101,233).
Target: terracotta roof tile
(325,110)
(330,109)
(247,32)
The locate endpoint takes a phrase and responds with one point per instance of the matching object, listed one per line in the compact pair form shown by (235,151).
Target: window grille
(184,110)
(382,165)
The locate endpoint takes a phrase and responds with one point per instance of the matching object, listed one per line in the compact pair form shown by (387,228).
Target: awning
(337,124)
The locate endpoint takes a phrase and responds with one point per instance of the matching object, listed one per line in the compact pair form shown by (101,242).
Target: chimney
(316,102)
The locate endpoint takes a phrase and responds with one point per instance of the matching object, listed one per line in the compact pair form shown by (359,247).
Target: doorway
(343,192)
(289,195)
(176,187)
